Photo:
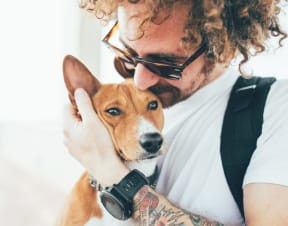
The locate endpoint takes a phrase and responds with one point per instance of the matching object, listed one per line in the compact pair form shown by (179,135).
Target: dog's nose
(151,142)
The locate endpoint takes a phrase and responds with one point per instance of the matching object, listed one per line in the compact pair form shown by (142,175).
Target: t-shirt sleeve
(269,162)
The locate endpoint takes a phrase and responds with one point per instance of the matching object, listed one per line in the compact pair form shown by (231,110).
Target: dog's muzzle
(151,143)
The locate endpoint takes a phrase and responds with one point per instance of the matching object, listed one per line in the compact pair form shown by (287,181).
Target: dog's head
(133,118)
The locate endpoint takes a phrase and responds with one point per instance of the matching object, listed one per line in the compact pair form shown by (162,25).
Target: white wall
(35,167)
(35,36)
(31,47)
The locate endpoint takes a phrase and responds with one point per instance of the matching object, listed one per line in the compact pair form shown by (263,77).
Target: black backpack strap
(241,128)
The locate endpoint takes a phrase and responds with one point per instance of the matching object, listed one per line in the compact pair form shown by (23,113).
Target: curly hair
(229,27)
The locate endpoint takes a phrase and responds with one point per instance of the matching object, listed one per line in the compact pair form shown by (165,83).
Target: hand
(89,142)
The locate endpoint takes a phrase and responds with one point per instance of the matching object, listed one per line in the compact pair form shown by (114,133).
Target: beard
(168,95)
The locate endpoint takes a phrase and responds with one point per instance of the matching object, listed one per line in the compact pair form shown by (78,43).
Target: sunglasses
(125,62)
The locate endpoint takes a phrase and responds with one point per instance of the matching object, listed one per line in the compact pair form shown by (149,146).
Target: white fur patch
(146,126)
(146,166)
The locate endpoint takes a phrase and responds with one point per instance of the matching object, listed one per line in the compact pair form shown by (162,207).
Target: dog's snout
(151,142)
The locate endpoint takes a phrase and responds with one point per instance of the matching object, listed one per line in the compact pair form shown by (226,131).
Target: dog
(134,120)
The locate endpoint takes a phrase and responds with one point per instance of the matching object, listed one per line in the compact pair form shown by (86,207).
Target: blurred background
(36,172)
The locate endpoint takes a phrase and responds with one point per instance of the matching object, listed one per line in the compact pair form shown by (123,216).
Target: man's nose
(144,78)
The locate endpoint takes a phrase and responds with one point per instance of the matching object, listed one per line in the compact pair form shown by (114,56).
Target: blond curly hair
(229,27)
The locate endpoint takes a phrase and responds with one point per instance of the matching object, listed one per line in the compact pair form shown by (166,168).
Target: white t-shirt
(192,175)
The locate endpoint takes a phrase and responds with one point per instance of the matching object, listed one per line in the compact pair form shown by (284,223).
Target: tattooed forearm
(151,208)
(198,220)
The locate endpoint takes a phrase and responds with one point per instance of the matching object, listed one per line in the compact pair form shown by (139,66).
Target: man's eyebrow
(170,57)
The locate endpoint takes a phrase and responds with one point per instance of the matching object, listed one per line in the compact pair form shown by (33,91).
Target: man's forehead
(132,17)
(175,56)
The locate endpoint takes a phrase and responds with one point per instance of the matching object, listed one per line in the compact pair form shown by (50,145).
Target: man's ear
(77,75)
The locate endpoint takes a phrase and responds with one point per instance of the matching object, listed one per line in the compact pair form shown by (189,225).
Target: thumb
(84,104)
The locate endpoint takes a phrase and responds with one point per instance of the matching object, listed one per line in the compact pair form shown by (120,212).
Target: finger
(69,117)
(84,104)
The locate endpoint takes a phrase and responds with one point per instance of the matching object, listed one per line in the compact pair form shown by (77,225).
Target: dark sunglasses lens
(121,55)
(119,65)
(164,71)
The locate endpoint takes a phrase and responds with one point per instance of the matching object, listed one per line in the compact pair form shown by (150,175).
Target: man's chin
(168,95)
(167,99)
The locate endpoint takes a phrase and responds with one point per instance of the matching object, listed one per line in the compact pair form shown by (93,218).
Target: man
(204,36)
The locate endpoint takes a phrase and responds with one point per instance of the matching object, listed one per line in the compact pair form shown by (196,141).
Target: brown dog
(134,120)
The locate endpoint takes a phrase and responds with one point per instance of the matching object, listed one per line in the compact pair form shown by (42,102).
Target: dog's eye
(113,111)
(152,105)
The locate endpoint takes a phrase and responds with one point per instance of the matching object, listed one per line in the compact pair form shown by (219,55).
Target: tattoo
(151,208)
(197,220)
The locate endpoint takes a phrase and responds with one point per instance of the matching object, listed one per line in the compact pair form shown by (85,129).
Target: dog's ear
(77,75)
